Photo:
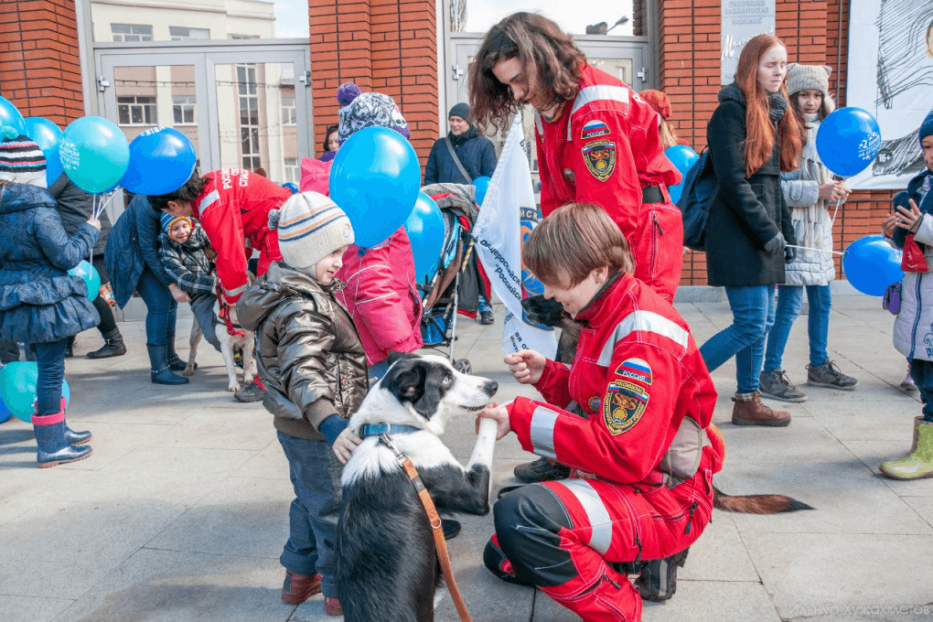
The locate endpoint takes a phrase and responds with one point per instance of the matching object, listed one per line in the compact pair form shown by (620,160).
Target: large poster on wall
(891,76)
(742,20)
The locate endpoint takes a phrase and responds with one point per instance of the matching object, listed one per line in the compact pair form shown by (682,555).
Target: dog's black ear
(432,391)
(405,379)
(399,356)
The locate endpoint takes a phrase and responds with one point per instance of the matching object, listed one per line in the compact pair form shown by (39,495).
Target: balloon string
(833,221)
(818,250)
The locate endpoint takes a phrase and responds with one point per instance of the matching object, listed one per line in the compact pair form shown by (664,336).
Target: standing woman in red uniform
(597,140)
(642,454)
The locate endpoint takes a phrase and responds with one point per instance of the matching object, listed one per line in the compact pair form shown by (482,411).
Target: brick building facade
(391,46)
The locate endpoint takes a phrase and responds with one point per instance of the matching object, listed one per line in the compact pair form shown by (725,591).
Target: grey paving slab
(800,442)
(719,554)
(245,517)
(176,475)
(873,453)
(847,497)
(220,428)
(64,548)
(170,586)
(269,463)
(842,574)
(31,608)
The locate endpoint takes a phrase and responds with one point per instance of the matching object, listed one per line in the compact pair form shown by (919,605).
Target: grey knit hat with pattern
(803,77)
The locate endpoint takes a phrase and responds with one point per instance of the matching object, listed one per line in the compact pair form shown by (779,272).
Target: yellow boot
(919,462)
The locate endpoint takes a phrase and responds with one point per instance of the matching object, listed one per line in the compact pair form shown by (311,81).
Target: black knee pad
(527,525)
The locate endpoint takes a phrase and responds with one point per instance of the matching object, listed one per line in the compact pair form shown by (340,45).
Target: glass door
(242,107)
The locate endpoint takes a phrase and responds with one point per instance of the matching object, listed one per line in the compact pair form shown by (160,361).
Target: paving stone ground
(181,512)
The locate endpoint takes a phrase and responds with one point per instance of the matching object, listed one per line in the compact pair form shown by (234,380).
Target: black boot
(174,363)
(161,374)
(70,347)
(113,346)
(541,470)
(658,580)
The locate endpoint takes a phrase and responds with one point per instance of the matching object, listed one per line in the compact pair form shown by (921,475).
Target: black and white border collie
(388,568)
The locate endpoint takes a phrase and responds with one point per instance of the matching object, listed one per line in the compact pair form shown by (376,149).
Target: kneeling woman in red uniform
(643,460)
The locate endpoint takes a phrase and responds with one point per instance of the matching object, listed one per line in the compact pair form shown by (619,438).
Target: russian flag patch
(635,369)
(594,129)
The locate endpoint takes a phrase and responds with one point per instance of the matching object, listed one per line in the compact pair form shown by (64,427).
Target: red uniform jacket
(381,297)
(603,149)
(233,208)
(637,374)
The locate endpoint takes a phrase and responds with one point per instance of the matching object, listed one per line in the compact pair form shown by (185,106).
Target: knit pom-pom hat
(310,227)
(658,101)
(21,160)
(926,129)
(346,93)
(371,110)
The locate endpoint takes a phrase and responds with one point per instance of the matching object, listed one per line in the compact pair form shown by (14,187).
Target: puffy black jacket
(746,212)
(75,207)
(476,153)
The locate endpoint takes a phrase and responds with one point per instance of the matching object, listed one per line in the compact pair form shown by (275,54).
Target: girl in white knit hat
(812,196)
(313,366)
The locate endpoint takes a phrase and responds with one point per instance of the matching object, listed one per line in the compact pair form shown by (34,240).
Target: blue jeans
(312,536)
(50,358)
(379,370)
(202,305)
(789,303)
(752,317)
(483,305)
(161,308)
(922,373)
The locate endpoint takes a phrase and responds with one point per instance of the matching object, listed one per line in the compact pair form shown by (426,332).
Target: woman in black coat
(752,138)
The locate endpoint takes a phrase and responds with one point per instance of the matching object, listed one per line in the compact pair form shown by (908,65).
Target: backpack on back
(699,187)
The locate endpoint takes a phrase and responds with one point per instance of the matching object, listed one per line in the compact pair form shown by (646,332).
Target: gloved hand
(790,254)
(776,244)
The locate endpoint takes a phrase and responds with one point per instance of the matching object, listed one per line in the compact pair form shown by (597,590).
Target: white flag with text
(498,232)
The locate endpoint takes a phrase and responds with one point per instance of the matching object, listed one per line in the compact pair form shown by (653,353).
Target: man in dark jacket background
(477,156)
(75,207)
(476,152)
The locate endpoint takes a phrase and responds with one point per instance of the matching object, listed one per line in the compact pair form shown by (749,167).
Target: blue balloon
(11,117)
(871,264)
(291,187)
(5,413)
(482,185)
(18,382)
(161,161)
(425,227)
(375,179)
(48,136)
(848,141)
(90,276)
(94,154)
(682,157)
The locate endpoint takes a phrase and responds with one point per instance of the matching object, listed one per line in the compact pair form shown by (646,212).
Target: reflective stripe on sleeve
(596,513)
(236,291)
(595,93)
(207,202)
(646,321)
(543,421)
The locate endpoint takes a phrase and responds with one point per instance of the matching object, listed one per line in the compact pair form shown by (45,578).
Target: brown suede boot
(749,410)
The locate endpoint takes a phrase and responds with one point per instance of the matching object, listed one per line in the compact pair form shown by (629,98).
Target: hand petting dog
(345,444)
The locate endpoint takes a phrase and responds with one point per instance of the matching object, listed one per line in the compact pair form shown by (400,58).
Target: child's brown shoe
(299,587)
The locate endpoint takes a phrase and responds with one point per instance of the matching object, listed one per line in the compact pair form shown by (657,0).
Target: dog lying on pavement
(388,568)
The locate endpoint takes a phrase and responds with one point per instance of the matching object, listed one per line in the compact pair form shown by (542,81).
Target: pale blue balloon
(94,154)
(48,136)
(11,117)
(91,277)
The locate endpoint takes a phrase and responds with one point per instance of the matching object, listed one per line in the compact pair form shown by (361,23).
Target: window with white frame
(292,170)
(130,32)
(137,110)
(183,109)
(289,114)
(183,33)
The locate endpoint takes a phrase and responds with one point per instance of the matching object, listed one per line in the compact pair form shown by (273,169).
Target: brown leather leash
(434,518)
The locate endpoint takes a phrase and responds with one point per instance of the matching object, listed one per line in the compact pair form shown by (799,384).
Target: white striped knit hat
(310,227)
(21,160)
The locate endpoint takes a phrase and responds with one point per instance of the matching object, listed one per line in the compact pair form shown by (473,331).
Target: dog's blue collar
(378,429)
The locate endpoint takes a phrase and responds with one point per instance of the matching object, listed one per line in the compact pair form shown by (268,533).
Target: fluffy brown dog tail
(756,504)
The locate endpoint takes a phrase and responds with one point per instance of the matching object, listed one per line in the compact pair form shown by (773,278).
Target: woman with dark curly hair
(597,140)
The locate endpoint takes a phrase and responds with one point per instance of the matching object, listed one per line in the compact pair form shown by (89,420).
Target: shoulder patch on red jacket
(623,406)
(600,158)
(594,129)
(637,370)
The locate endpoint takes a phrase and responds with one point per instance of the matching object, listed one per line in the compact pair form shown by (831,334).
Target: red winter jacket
(637,374)
(234,207)
(381,297)
(604,148)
